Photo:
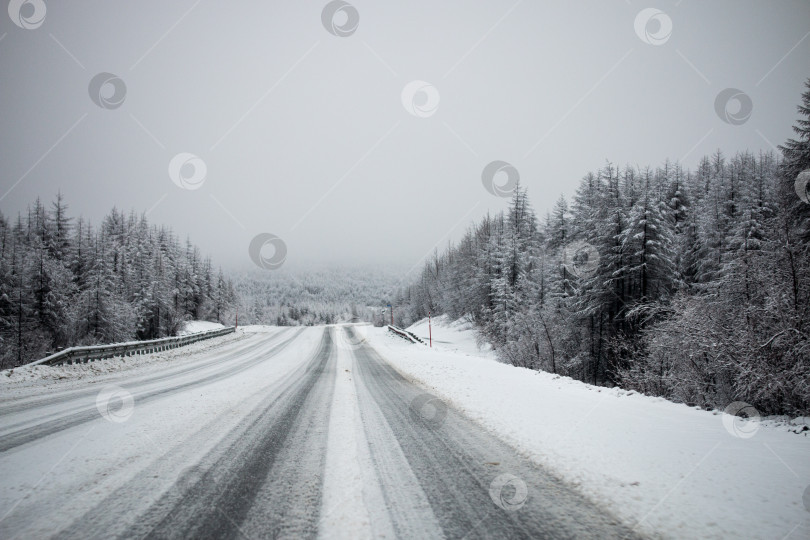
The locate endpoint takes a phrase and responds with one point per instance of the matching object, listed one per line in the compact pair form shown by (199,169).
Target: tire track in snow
(263,479)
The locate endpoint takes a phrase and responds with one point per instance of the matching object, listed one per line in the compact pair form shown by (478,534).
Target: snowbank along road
(269,433)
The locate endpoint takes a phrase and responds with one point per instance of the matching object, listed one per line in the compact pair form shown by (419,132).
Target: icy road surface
(272,433)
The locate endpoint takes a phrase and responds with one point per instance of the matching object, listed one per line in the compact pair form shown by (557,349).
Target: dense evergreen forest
(693,285)
(64,282)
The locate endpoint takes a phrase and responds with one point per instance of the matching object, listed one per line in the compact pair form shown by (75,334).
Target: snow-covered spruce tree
(796,153)
(558,225)
(608,293)
(515,255)
(583,298)
(648,240)
(101,314)
(21,337)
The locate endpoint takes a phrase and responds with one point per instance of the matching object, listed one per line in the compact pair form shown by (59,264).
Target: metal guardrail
(410,336)
(417,338)
(80,355)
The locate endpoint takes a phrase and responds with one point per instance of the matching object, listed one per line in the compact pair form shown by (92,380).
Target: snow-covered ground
(43,379)
(193,327)
(666,468)
(454,336)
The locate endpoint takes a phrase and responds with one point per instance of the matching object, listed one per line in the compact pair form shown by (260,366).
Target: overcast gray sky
(304,134)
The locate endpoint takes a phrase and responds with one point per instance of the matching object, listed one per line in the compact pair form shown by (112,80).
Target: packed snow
(343,512)
(194,327)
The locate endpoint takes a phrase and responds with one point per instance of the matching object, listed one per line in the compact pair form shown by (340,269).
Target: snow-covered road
(268,433)
(441,475)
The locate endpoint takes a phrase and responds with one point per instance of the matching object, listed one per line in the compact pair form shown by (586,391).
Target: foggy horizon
(304,133)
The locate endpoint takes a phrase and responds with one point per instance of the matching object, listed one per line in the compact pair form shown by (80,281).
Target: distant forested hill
(315,295)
